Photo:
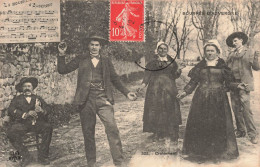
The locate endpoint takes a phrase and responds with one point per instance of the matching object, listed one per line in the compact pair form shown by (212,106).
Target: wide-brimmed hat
(32,80)
(102,40)
(213,42)
(239,35)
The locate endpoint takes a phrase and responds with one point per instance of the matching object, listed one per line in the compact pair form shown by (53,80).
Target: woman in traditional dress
(209,133)
(162,115)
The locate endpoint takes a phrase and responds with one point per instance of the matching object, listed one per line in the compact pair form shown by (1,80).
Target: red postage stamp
(127,20)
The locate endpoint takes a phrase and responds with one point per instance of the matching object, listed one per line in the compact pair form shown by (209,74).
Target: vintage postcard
(129,83)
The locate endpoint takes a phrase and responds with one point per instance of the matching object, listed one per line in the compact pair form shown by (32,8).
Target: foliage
(61,114)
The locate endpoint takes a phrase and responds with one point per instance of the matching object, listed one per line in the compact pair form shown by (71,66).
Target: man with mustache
(28,114)
(241,61)
(94,95)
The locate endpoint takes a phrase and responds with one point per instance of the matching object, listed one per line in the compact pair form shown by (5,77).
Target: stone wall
(53,87)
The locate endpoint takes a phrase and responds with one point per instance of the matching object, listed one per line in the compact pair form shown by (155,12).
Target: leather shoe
(240,134)
(44,161)
(254,140)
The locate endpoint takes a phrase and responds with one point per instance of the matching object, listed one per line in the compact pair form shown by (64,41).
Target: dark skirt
(162,114)
(209,130)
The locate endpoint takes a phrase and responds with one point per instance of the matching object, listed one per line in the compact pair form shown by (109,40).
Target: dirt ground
(67,146)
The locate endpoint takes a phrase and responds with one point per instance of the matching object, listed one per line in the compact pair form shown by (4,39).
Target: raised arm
(64,68)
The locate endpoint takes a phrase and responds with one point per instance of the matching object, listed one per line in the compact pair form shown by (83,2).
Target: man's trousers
(18,130)
(240,100)
(97,104)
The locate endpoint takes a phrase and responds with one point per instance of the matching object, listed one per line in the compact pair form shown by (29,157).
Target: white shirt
(28,99)
(94,61)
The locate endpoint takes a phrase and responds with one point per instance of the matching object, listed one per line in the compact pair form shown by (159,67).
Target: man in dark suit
(241,60)
(94,95)
(28,114)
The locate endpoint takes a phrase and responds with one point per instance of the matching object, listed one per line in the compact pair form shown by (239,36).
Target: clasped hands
(242,86)
(33,113)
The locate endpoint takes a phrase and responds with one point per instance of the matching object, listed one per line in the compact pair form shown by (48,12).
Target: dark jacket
(247,62)
(19,106)
(82,63)
(201,75)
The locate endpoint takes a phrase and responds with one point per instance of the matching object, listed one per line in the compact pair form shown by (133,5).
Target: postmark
(160,65)
(126,20)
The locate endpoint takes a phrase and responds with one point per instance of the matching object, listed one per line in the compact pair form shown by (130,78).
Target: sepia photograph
(129,83)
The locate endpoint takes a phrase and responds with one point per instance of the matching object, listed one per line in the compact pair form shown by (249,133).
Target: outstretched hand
(131,96)
(181,95)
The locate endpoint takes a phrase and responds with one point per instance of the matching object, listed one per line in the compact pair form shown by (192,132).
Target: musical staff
(30,36)
(32,22)
(45,12)
(48,28)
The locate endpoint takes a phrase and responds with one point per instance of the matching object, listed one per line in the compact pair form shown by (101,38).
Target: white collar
(239,50)
(162,58)
(212,62)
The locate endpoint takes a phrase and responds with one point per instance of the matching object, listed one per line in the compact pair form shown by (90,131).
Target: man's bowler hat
(32,80)
(102,40)
(239,35)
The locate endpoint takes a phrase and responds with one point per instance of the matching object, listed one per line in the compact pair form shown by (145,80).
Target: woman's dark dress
(209,130)
(161,109)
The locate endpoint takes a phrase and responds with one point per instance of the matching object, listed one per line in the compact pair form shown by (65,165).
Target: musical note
(49,12)
(43,35)
(29,12)
(32,36)
(52,28)
(29,24)
(9,12)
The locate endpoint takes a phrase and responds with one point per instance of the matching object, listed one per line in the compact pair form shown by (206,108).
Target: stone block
(38,66)
(7,103)
(25,65)
(5,70)
(10,81)
(26,71)
(13,70)
(20,58)
(7,91)
(1,90)
(33,61)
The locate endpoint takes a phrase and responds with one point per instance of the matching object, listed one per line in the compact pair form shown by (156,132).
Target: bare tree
(245,17)
(205,19)
(177,27)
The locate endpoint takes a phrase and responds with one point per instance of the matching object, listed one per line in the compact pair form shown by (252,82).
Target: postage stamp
(126,20)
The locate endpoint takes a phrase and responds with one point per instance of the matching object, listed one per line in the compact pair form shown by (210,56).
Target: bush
(60,114)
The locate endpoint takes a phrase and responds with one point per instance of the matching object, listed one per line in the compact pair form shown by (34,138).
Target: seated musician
(28,113)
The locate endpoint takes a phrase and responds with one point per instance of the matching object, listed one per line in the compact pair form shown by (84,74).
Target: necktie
(95,56)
